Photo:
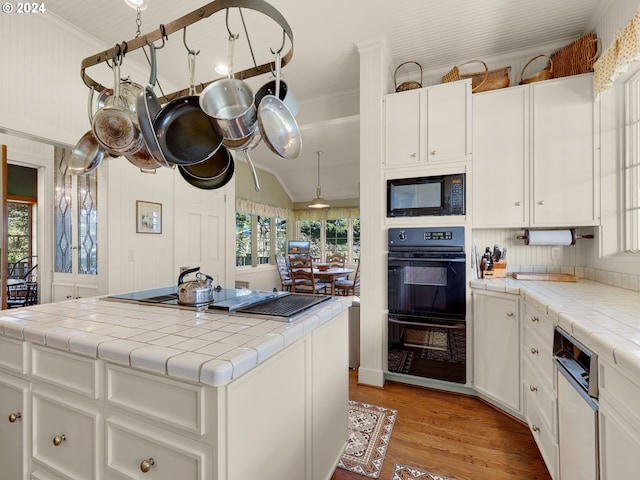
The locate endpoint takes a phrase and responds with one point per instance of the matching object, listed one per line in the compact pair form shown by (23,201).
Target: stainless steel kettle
(197,292)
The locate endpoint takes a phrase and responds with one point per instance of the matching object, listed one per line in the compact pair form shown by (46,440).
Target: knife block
(499,271)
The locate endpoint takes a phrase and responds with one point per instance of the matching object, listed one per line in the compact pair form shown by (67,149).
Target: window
(632,164)
(264,239)
(281,236)
(19,238)
(310,231)
(355,243)
(243,239)
(336,237)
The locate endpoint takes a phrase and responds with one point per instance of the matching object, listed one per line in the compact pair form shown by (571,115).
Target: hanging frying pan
(186,135)
(209,184)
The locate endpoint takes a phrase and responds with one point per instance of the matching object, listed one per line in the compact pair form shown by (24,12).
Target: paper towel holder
(571,232)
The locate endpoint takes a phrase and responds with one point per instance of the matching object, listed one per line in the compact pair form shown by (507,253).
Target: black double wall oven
(427,303)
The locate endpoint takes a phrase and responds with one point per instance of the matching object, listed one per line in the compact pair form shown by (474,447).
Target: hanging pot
(186,135)
(207,183)
(144,160)
(147,108)
(114,126)
(86,155)
(195,293)
(230,102)
(277,124)
(285,95)
(211,169)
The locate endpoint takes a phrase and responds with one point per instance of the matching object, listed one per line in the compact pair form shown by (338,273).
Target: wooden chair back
(336,260)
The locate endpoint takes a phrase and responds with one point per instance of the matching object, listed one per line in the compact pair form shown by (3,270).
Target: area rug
(399,361)
(402,472)
(369,433)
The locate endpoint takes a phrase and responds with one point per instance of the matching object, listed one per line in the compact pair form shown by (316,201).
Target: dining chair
(283,271)
(22,294)
(303,278)
(346,286)
(336,260)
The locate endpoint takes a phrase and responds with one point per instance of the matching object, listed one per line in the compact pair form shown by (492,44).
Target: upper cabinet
(428,125)
(536,155)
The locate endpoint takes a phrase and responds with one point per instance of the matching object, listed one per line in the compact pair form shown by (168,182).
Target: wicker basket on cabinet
(480,81)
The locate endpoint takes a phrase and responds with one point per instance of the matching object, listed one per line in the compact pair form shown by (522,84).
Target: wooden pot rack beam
(189,19)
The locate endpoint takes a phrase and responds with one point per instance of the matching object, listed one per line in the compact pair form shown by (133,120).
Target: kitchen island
(105,390)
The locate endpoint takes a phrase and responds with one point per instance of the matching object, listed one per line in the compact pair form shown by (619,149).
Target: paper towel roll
(550,237)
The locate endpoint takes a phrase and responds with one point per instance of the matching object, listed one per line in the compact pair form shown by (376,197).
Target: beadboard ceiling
(436,33)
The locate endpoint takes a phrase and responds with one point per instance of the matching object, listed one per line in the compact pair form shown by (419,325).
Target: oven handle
(440,259)
(414,324)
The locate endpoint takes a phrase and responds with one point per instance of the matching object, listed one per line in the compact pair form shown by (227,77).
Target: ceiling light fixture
(137,4)
(318,202)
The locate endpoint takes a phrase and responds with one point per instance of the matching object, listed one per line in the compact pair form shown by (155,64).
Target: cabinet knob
(69,296)
(518,204)
(533,388)
(414,155)
(146,465)
(541,202)
(433,152)
(534,318)
(535,428)
(58,439)
(534,350)
(13,417)
(509,314)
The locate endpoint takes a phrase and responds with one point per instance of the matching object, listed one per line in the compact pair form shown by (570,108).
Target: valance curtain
(254,208)
(617,58)
(327,213)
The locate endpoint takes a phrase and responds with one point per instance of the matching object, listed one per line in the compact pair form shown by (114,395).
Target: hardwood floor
(452,435)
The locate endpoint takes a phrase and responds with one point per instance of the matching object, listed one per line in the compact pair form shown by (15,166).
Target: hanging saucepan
(86,155)
(144,160)
(230,102)
(277,125)
(129,92)
(116,127)
(285,95)
(147,108)
(197,292)
(186,135)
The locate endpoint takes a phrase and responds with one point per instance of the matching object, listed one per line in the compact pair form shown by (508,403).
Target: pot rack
(163,31)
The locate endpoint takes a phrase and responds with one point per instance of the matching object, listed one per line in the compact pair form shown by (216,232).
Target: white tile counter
(604,318)
(210,348)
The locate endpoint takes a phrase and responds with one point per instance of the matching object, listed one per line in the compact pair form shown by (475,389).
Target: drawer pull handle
(433,152)
(533,388)
(534,319)
(518,204)
(534,350)
(509,314)
(535,428)
(146,465)
(414,155)
(58,439)
(14,416)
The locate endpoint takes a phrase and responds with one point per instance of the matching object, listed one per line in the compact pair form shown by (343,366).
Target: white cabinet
(538,386)
(72,291)
(15,438)
(428,125)
(501,157)
(496,348)
(619,428)
(543,138)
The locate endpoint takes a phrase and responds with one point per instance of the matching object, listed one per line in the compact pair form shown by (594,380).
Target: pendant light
(318,202)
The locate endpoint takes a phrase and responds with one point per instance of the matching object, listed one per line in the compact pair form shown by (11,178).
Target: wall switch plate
(556,253)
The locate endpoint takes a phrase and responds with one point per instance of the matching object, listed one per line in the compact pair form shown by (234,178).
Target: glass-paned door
(75,231)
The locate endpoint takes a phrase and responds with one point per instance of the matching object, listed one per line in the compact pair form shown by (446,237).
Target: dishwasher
(577,408)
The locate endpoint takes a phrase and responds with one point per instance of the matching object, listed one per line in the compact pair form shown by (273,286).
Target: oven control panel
(410,237)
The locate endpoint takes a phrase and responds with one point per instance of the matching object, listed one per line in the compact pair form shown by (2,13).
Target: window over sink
(632,164)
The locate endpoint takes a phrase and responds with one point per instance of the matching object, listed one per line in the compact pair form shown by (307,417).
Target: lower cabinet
(14,428)
(496,348)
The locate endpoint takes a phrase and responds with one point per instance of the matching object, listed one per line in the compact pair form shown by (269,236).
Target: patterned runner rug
(402,472)
(369,433)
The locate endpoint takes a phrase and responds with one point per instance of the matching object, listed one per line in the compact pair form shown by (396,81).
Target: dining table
(331,274)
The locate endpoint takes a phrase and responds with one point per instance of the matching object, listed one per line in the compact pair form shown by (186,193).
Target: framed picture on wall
(148,217)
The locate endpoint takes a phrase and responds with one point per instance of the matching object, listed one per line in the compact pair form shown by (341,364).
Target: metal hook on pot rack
(184,40)
(281,46)
(226,19)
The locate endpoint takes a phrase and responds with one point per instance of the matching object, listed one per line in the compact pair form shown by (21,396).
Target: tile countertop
(210,348)
(606,319)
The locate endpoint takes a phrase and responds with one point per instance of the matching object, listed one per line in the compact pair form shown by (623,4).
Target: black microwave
(426,196)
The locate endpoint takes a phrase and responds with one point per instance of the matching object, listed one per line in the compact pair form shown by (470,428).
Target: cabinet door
(619,444)
(501,157)
(402,128)
(14,428)
(496,349)
(564,164)
(448,117)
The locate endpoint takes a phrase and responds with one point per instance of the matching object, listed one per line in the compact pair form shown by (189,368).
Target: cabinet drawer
(67,435)
(539,352)
(537,394)
(15,420)
(618,389)
(134,449)
(167,401)
(73,372)
(545,437)
(14,355)
(539,323)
